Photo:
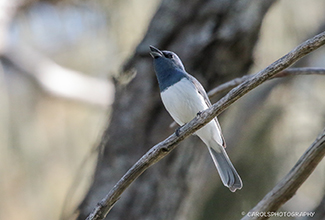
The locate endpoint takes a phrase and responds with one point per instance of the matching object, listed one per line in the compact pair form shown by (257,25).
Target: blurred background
(58,59)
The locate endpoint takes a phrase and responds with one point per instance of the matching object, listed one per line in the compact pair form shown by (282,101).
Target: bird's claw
(177,131)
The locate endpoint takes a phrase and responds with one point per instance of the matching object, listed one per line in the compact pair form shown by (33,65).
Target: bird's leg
(178,130)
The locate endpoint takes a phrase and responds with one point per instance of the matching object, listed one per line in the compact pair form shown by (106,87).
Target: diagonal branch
(288,186)
(160,150)
(235,82)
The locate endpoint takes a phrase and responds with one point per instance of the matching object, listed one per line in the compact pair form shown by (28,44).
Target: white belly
(183,103)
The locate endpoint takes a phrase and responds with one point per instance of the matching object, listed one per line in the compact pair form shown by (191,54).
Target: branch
(160,150)
(58,80)
(287,72)
(288,186)
(235,82)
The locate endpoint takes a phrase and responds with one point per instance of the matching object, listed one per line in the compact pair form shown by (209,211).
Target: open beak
(155,53)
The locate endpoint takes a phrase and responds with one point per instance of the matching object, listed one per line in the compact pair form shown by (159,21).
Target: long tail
(227,172)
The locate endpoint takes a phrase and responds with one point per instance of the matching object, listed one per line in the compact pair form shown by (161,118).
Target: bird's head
(165,60)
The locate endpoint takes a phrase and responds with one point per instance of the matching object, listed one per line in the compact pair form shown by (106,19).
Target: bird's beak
(155,53)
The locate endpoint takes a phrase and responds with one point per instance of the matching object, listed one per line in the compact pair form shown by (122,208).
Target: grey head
(168,67)
(166,58)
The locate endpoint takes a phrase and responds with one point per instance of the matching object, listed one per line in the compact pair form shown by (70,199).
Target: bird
(184,97)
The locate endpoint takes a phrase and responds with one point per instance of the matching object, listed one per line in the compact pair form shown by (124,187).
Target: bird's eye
(169,55)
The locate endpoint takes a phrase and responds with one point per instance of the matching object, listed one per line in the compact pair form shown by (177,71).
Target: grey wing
(203,93)
(200,90)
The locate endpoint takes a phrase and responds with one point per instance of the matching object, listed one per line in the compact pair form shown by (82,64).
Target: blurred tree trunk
(215,40)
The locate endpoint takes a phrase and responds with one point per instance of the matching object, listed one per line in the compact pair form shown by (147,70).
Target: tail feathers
(227,172)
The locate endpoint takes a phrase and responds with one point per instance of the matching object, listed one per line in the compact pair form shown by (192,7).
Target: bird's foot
(199,113)
(178,130)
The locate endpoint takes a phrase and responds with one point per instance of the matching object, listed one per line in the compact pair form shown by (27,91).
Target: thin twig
(287,72)
(160,150)
(288,186)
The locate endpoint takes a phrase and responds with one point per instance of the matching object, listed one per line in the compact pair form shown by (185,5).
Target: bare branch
(160,150)
(288,186)
(235,82)
(61,81)
(287,72)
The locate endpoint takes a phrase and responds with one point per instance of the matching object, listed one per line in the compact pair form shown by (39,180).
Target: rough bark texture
(215,40)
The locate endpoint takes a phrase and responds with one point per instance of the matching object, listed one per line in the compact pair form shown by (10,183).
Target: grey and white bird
(184,97)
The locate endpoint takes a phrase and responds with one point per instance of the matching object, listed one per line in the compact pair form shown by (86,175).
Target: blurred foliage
(48,144)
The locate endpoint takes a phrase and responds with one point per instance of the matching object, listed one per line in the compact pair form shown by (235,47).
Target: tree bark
(215,40)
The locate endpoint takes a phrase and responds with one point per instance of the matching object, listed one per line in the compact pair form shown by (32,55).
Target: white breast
(183,102)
